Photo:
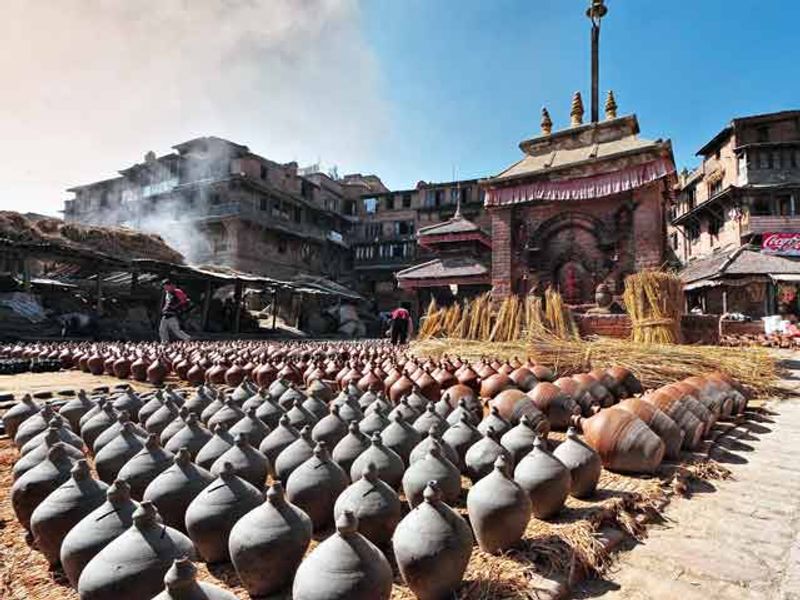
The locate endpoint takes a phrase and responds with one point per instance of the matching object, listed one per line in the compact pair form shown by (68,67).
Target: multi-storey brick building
(735,222)
(217,202)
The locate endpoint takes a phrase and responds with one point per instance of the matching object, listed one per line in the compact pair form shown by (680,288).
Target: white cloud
(91,85)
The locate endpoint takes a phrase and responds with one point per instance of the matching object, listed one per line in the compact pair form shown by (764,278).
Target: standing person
(175,302)
(402,326)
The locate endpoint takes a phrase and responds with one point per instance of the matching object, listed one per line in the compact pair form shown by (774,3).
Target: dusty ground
(736,539)
(61,380)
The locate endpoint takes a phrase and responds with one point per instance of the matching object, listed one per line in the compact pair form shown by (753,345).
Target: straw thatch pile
(654,301)
(118,242)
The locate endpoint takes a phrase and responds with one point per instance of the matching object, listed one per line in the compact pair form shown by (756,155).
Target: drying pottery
(33,425)
(545,479)
(278,439)
(228,415)
(158,421)
(18,413)
(294,455)
(519,440)
(193,436)
(434,467)
(374,502)
(494,420)
(430,418)
(624,442)
(677,409)
(251,425)
(558,407)
(400,437)
(299,417)
(181,583)
(111,432)
(481,456)
(315,485)
(408,412)
(219,444)
(388,464)
(460,437)
(62,432)
(582,461)
(129,402)
(330,429)
(457,393)
(247,462)
(145,466)
(38,454)
(350,447)
(72,411)
(174,426)
(657,420)
(269,412)
(92,428)
(434,437)
(375,422)
(33,487)
(117,452)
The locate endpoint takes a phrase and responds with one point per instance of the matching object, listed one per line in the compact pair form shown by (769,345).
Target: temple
(584,206)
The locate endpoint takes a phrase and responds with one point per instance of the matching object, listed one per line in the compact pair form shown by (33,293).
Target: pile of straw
(654,301)
(559,317)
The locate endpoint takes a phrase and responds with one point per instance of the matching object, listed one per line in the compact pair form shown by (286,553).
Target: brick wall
(648,226)
(614,326)
(501,251)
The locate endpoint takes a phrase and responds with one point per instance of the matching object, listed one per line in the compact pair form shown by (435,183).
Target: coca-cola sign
(786,244)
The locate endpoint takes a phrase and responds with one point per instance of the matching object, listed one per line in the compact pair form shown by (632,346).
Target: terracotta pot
(494,384)
(677,409)
(139,369)
(624,442)
(558,407)
(657,420)
(512,404)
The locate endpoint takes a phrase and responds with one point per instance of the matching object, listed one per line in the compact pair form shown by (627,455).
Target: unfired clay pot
(481,456)
(145,466)
(193,437)
(494,420)
(330,429)
(388,464)
(583,462)
(546,480)
(38,454)
(460,437)
(375,503)
(33,487)
(401,437)
(315,485)
(72,411)
(247,462)
(180,583)
(349,447)
(420,451)
(219,444)
(18,413)
(434,467)
(519,440)
(294,455)
(278,439)
(117,452)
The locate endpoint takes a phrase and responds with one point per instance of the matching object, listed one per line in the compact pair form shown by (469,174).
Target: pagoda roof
(456,224)
(445,270)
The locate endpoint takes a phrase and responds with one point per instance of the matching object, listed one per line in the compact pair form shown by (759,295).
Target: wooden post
(99,294)
(26,273)
(274,308)
(724,300)
(206,305)
(134,281)
(237,306)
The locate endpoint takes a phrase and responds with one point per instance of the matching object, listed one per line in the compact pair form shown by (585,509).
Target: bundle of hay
(654,301)
(508,323)
(558,315)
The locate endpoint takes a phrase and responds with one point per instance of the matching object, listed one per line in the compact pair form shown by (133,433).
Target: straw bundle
(654,301)
(480,318)
(431,322)
(508,324)
(559,318)
(534,316)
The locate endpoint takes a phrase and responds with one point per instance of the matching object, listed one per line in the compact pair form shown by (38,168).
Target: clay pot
(294,455)
(38,454)
(578,392)
(267,544)
(388,464)
(657,420)
(64,508)
(512,404)
(196,375)
(198,401)
(218,445)
(400,437)
(374,502)
(133,566)
(234,375)
(520,439)
(290,397)
(469,377)
(582,461)
(434,438)
(62,431)
(545,479)
(33,487)
(94,410)
(374,422)
(430,418)
(330,428)
(523,378)
(145,466)
(460,437)
(72,411)
(315,485)
(278,439)
(96,530)
(33,426)
(315,407)
(494,420)
(228,415)
(217,404)
(434,467)
(601,394)
(151,407)
(542,373)
(689,397)
(96,364)
(213,513)
(18,413)
(96,425)
(247,462)
(481,456)
(113,431)
(174,426)
(130,402)
(117,452)
(350,411)
(462,410)
(677,409)
(158,421)
(499,509)
(175,488)
(405,409)
(346,566)
(320,390)
(278,387)
(558,407)
(269,412)
(366,399)
(400,388)
(255,429)
(193,436)
(181,583)
(299,417)
(443,408)
(494,384)
(624,442)
(350,447)
(432,546)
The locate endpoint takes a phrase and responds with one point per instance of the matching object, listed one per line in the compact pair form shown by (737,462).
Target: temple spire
(547,122)
(457,214)
(576,113)
(611,106)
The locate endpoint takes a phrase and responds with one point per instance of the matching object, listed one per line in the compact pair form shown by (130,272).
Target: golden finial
(547,123)
(577,110)
(611,106)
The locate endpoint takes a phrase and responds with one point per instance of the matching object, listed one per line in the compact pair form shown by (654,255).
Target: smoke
(91,85)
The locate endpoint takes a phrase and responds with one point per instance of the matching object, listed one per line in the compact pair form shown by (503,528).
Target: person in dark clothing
(175,302)
(402,326)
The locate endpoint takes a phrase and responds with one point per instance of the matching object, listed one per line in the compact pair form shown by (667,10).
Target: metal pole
(237,306)
(595,70)
(274,308)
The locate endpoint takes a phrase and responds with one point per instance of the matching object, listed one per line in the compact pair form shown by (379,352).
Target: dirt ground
(61,380)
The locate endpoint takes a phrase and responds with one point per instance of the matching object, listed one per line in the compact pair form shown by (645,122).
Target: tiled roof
(738,262)
(446,266)
(457,224)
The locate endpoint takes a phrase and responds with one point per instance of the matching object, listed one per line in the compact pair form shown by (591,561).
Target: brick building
(585,205)
(218,202)
(735,222)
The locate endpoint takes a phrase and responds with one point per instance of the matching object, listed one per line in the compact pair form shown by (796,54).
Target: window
(715,188)
(464,195)
(406,200)
(370,205)
(714,226)
(691,195)
(104,199)
(760,207)
(674,239)
(785,206)
(264,171)
(282,245)
(263,203)
(439,198)
(404,227)
(298,214)
(430,198)
(693,232)
(763,134)
(305,189)
(389,202)
(793,158)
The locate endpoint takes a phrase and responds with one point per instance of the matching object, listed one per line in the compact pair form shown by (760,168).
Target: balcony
(393,263)
(757,224)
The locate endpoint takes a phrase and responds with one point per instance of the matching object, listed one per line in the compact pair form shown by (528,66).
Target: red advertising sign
(785,244)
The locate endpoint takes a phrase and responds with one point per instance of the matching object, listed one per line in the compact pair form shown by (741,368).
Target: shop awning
(785,277)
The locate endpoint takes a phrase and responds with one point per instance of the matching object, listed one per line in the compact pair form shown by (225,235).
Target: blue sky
(468,78)
(406,89)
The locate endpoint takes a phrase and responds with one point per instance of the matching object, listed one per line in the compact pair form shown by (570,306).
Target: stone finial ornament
(576,112)
(611,106)
(547,122)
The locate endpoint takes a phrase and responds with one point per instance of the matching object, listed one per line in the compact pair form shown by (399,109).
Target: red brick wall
(614,326)
(648,226)
(501,251)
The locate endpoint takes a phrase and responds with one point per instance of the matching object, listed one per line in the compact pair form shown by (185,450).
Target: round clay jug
(269,412)
(150,407)
(315,485)
(400,388)
(350,447)
(523,378)
(18,413)
(96,530)
(267,544)
(217,404)
(175,488)
(33,487)
(583,463)
(299,417)
(92,428)
(213,513)
(330,429)
(181,583)
(278,439)
(316,407)
(624,442)
(198,401)
(247,462)
(499,509)
(291,397)
(255,400)
(456,393)
(462,410)
(320,390)
(99,403)
(432,546)
(294,455)
(381,403)
(346,566)
(228,415)
(494,384)
(219,444)
(64,508)
(375,422)
(38,454)
(350,411)
(481,456)
(72,411)
(156,373)
(64,435)
(558,407)
(460,437)
(430,418)
(113,431)
(512,404)
(366,399)
(34,425)
(129,401)
(192,436)
(578,392)
(657,420)
(401,437)
(519,440)
(117,452)
(420,451)
(132,567)
(145,466)
(408,412)
(434,467)
(387,462)
(443,408)
(374,502)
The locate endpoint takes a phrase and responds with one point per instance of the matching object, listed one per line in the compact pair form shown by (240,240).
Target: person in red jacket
(175,302)
(402,325)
